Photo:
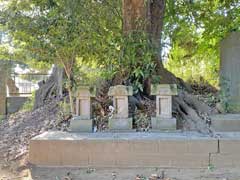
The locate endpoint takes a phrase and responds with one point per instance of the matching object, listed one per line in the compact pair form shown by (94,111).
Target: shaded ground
(16,132)
(133,174)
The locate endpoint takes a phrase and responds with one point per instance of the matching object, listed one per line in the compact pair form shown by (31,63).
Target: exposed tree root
(189,111)
(49,89)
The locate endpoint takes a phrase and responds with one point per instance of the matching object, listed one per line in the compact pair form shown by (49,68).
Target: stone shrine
(164,119)
(120,120)
(82,121)
(229,72)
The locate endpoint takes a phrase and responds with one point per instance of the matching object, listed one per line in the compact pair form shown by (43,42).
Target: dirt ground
(40,173)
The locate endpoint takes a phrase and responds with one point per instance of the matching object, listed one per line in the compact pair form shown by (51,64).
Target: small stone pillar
(82,121)
(120,120)
(163,119)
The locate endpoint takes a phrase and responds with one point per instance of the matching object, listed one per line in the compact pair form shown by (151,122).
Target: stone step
(148,149)
(226,122)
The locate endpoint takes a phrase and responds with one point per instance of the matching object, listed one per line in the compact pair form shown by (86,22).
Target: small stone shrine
(163,119)
(82,121)
(120,120)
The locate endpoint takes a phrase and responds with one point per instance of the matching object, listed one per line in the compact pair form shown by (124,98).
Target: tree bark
(150,15)
(50,89)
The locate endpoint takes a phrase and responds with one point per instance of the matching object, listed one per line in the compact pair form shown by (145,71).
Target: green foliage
(85,37)
(193,31)
(136,58)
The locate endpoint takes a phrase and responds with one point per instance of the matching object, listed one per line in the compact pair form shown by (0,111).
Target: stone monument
(229,72)
(229,85)
(163,119)
(82,121)
(120,120)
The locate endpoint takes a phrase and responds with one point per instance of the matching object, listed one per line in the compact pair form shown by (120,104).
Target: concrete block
(162,160)
(58,153)
(163,123)
(120,124)
(83,125)
(229,146)
(120,150)
(15,103)
(226,122)
(223,160)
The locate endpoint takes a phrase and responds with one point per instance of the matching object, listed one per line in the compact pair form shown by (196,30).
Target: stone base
(226,122)
(163,123)
(120,124)
(123,150)
(83,125)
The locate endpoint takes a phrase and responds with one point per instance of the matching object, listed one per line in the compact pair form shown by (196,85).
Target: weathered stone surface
(164,89)
(82,122)
(121,107)
(58,153)
(120,124)
(226,122)
(83,107)
(121,150)
(163,123)
(223,160)
(120,90)
(120,120)
(163,119)
(164,106)
(229,71)
(81,125)
(83,101)
(229,146)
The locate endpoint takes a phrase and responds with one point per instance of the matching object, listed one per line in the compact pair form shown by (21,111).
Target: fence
(24,84)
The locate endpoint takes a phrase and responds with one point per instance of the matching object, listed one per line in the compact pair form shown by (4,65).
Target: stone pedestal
(81,125)
(229,72)
(82,121)
(163,119)
(120,120)
(159,123)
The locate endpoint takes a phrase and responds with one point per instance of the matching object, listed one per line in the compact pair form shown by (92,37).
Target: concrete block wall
(228,153)
(85,151)
(90,150)
(15,103)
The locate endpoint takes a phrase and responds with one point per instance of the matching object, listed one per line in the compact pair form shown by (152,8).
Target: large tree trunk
(150,15)
(52,88)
